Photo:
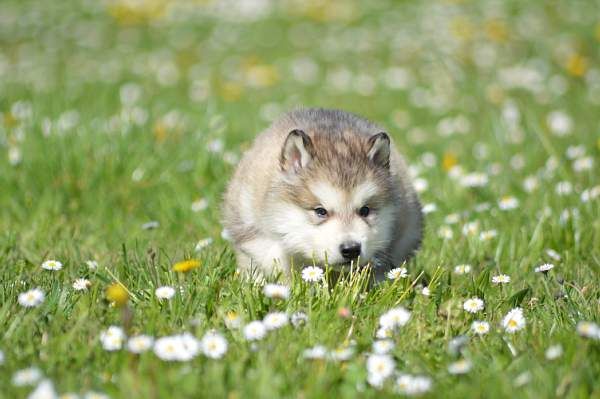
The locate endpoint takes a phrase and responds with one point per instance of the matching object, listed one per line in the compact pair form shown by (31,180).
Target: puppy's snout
(350,250)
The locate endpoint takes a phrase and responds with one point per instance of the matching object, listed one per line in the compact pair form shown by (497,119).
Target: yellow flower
(186,265)
(118,294)
(577,65)
(449,161)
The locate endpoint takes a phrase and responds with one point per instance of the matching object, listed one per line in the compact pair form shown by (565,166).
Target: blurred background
(134,111)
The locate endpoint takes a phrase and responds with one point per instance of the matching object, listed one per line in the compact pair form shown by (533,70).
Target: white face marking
(330,197)
(362,193)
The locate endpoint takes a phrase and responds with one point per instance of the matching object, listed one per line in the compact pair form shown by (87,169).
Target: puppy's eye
(364,211)
(321,212)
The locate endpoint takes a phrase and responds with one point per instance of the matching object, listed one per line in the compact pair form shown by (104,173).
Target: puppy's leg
(263,256)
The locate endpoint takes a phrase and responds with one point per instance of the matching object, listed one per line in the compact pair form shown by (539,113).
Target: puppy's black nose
(350,250)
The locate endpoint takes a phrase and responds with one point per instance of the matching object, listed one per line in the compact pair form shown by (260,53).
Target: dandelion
(501,279)
(513,321)
(117,294)
(480,327)
(186,265)
(81,284)
(588,329)
(28,376)
(31,298)
(473,305)
(52,265)
(299,318)
(276,291)
(394,318)
(275,320)
(312,274)
(112,338)
(140,343)
(413,385)
(380,366)
(164,292)
(316,352)
(383,346)
(213,345)
(461,366)
(397,273)
(255,330)
(462,269)
(545,268)
(508,203)
(554,352)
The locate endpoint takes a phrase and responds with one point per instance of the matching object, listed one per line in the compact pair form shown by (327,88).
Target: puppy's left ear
(379,150)
(297,152)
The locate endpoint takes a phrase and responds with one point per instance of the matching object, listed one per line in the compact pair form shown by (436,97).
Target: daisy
(28,376)
(199,205)
(588,329)
(95,395)
(384,332)
(255,330)
(397,273)
(583,164)
(554,352)
(91,264)
(233,320)
(165,292)
(470,228)
(112,338)
(413,385)
(341,354)
(276,291)
(428,208)
(316,352)
(200,245)
(462,269)
(44,390)
(425,291)
(140,343)
(81,284)
(445,232)
(553,254)
(545,268)
(189,346)
(507,203)
(31,298)
(474,180)
(1,358)
(312,274)
(298,319)
(514,321)
(380,366)
(530,183)
(275,320)
(213,345)
(168,348)
(488,235)
(394,318)
(501,279)
(564,188)
(480,327)
(383,346)
(461,366)
(52,265)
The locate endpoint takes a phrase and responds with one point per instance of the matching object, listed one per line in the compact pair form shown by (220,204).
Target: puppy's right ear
(297,151)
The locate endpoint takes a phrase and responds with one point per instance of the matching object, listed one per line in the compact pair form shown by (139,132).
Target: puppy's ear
(297,151)
(379,150)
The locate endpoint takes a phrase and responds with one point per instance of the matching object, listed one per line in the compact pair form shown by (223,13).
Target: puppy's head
(335,199)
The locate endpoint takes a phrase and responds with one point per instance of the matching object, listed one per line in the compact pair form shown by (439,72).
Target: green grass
(70,195)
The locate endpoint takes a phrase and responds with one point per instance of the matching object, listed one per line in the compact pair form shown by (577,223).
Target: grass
(85,163)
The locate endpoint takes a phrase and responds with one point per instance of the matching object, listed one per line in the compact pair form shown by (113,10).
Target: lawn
(122,120)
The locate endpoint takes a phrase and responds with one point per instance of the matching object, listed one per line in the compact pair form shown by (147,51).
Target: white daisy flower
(564,188)
(316,352)
(397,273)
(473,305)
(590,194)
(452,218)
(28,376)
(470,228)
(384,332)
(583,164)
(164,292)
(44,390)
(95,395)
(462,269)
(168,348)
(312,274)
(553,254)
(112,338)
(488,235)
(201,244)
(530,183)
(545,268)
(31,298)
(52,265)
(199,205)
(276,291)
(501,279)
(560,123)
(233,320)
(189,346)
(588,329)
(425,291)
(429,208)
(445,232)
(514,321)
(413,385)
(507,203)
(380,365)
(81,284)
(554,352)
(1,358)
(383,346)
(299,318)
(275,320)
(394,318)
(480,327)
(140,343)
(461,366)
(474,180)
(255,330)
(213,345)
(342,353)
(575,151)
(91,264)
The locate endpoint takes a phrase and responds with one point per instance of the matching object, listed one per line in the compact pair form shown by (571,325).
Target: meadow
(121,121)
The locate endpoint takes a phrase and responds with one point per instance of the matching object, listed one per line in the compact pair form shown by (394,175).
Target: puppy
(326,187)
